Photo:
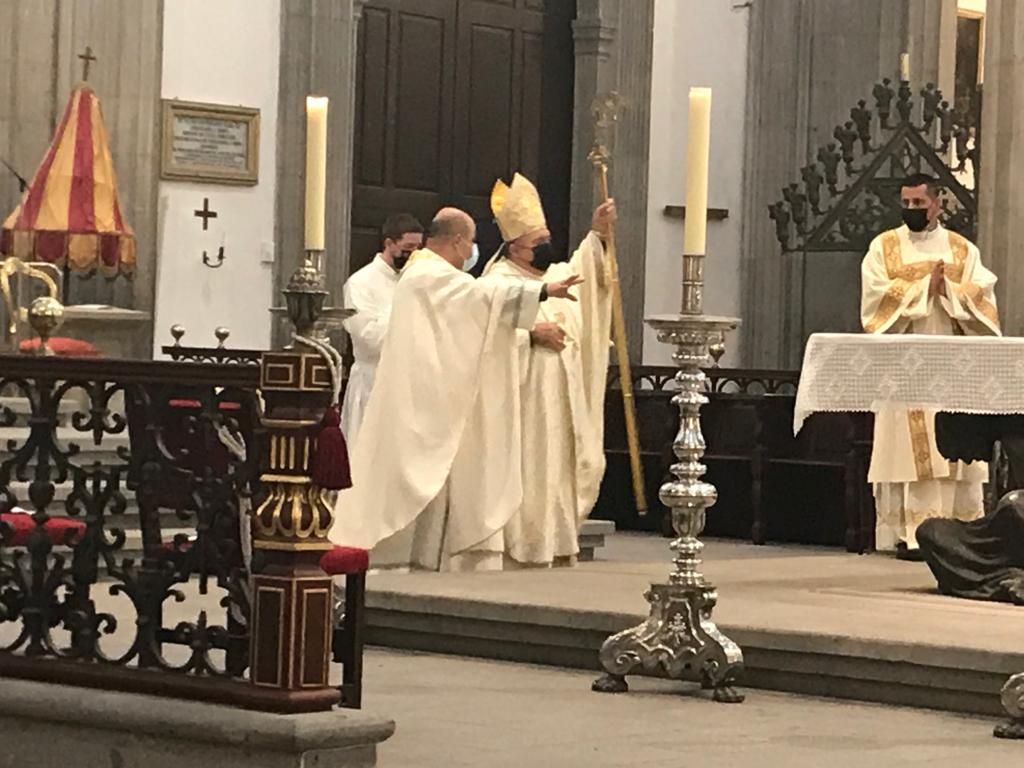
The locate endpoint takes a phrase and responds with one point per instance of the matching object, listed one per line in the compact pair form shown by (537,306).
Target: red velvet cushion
(195,404)
(56,528)
(345,560)
(63,347)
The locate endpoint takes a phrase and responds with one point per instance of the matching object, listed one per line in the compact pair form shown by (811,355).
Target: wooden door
(453,94)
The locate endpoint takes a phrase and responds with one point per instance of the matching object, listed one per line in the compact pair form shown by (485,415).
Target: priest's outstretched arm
(592,247)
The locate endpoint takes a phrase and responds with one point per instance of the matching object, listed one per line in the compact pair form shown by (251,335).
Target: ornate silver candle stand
(679,641)
(305,296)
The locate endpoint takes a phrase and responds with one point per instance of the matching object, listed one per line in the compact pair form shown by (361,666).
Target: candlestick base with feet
(679,640)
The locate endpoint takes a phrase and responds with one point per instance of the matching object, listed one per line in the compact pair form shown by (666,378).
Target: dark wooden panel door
(405,93)
(453,94)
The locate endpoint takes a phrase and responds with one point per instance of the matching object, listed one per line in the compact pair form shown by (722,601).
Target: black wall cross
(205,213)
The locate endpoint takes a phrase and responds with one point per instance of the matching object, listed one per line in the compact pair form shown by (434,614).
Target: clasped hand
(548,335)
(937,285)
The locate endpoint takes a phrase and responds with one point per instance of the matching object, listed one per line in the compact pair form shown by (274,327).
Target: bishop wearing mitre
(435,471)
(922,278)
(563,365)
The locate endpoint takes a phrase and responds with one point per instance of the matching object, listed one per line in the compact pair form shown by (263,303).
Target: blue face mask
(473,259)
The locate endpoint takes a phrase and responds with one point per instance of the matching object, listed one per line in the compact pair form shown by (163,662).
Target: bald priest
(436,470)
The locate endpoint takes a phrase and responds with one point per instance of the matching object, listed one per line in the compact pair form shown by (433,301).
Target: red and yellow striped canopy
(70,214)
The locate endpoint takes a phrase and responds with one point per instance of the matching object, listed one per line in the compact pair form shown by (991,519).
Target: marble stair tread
(21,406)
(597,528)
(67,435)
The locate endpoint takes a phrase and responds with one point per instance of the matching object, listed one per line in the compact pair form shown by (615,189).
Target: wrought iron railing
(84,440)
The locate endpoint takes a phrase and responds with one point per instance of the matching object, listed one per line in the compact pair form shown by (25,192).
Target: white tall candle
(316,171)
(695,228)
(905,67)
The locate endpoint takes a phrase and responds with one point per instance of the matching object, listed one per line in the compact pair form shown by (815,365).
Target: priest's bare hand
(938,281)
(548,335)
(605,216)
(560,290)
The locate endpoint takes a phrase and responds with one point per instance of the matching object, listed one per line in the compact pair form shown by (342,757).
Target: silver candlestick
(679,641)
(305,297)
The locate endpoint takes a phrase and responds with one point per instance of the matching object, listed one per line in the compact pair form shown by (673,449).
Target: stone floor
(455,712)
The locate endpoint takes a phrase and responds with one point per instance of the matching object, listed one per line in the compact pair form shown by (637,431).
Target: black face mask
(916,219)
(543,256)
(401,259)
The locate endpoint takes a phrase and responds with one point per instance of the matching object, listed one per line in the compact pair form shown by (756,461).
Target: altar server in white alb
(563,362)
(435,471)
(369,291)
(922,278)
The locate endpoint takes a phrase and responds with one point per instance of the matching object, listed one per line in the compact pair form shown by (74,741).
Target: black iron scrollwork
(84,451)
(850,192)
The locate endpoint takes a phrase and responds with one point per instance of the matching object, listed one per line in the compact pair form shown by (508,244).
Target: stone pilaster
(318,48)
(614,48)
(1001,186)
(931,42)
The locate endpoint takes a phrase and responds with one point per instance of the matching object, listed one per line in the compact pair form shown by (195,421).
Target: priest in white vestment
(563,364)
(369,291)
(922,278)
(435,471)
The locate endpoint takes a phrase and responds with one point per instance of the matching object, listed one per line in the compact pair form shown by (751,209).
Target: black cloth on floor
(982,559)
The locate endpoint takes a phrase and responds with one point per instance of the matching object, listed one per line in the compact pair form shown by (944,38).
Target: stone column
(614,48)
(777,102)
(318,48)
(931,42)
(1001,186)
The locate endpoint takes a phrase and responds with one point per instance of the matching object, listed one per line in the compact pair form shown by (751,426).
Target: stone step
(89,452)
(61,491)
(133,541)
(591,537)
(22,409)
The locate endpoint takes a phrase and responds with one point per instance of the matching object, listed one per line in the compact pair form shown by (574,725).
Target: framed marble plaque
(210,143)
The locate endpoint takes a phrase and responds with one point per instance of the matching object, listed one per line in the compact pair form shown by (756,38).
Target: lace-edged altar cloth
(845,372)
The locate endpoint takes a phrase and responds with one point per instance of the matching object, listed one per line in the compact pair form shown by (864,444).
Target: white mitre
(517,208)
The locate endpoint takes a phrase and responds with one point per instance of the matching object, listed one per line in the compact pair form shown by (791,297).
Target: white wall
(223,52)
(696,43)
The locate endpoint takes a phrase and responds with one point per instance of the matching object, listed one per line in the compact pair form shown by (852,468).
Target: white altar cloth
(845,372)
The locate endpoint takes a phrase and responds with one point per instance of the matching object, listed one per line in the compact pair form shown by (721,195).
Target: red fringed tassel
(329,468)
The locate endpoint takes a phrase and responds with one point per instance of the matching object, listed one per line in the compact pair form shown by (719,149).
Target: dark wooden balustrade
(86,437)
(772,486)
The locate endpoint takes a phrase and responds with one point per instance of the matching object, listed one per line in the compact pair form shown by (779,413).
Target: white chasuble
(441,429)
(562,403)
(912,481)
(369,291)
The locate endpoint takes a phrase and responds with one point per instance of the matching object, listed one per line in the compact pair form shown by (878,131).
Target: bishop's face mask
(916,219)
(543,256)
